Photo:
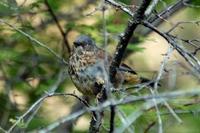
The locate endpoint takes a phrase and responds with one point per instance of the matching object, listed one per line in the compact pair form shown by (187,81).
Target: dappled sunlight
(99,66)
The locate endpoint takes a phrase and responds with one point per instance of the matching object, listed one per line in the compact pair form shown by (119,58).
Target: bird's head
(83,41)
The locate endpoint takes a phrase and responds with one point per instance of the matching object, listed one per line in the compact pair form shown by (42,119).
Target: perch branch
(126,36)
(41,100)
(123,101)
(34,107)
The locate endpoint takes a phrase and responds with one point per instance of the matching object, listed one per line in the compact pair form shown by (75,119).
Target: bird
(89,68)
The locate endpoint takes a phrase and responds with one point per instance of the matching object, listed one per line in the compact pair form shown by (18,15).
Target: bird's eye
(77,44)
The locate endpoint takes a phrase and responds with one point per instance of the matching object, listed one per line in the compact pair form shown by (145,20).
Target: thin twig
(137,113)
(96,120)
(123,117)
(112,119)
(126,36)
(169,11)
(75,14)
(197,22)
(193,112)
(151,7)
(119,6)
(164,62)
(186,3)
(160,73)
(154,20)
(121,47)
(169,38)
(112,108)
(33,40)
(160,125)
(42,99)
(149,126)
(2,130)
(63,33)
(32,110)
(127,100)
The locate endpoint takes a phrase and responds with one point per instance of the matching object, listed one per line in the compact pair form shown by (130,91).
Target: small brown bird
(89,68)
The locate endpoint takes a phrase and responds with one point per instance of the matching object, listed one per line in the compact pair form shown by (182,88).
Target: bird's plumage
(89,66)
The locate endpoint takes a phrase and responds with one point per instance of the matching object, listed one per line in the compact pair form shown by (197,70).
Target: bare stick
(42,99)
(2,130)
(160,125)
(157,19)
(149,127)
(34,107)
(197,22)
(169,38)
(112,119)
(126,36)
(63,33)
(123,101)
(160,73)
(33,40)
(112,108)
(151,7)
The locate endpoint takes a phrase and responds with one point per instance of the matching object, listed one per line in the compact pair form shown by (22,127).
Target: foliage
(28,71)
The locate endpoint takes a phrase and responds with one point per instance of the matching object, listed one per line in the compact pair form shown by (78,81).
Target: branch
(112,119)
(71,15)
(193,61)
(124,119)
(151,7)
(126,36)
(33,40)
(160,123)
(167,12)
(112,108)
(197,22)
(2,130)
(67,127)
(162,16)
(190,5)
(42,99)
(123,42)
(96,121)
(194,112)
(28,115)
(64,34)
(155,20)
(123,101)
(149,127)
(119,6)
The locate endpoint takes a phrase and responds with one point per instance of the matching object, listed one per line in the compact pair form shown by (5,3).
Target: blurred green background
(27,70)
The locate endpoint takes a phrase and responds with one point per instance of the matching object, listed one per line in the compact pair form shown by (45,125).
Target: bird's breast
(85,68)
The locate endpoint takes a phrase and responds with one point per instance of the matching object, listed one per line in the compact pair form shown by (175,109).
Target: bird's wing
(104,55)
(123,67)
(126,68)
(125,74)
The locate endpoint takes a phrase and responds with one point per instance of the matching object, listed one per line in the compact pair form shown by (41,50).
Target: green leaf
(70,25)
(6,9)
(21,124)
(135,47)
(115,28)
(8,54)
(55,4)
